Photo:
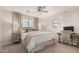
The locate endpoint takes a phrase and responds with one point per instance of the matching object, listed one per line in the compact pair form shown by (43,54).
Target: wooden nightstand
(16,37)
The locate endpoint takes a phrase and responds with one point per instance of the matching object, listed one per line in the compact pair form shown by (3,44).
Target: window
(27,23)
(31,23)
(55,22)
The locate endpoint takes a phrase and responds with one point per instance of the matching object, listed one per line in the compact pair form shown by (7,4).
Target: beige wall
(70,18)
(6,27)
(46,23)
(0,28)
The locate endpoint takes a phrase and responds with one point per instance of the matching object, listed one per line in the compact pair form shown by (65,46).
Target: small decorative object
(26,30)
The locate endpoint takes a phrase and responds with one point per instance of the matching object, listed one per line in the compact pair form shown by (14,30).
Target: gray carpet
(54,48)
(13,48)
(59,48)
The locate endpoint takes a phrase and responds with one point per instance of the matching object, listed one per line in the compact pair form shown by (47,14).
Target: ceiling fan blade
(36,11)
(43,11)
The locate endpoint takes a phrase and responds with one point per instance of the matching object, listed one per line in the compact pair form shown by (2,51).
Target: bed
(35,41)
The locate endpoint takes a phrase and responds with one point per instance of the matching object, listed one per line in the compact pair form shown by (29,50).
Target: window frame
(28,23)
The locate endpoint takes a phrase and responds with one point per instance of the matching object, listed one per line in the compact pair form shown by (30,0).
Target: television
(71,28)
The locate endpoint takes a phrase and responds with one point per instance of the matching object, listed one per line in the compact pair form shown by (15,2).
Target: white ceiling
(52,10)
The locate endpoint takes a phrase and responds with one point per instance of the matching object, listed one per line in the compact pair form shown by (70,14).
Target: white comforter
(33,39)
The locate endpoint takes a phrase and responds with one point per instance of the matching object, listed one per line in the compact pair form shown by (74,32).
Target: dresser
(75,38)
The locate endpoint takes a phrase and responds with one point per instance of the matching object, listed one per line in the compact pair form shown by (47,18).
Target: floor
(13,48)
(59,48)
(55,48)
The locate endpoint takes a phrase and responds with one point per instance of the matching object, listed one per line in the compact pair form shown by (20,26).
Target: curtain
(16,32)
(35,24)
(16,22)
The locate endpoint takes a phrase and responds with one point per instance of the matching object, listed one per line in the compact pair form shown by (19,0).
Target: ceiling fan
(39,9)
